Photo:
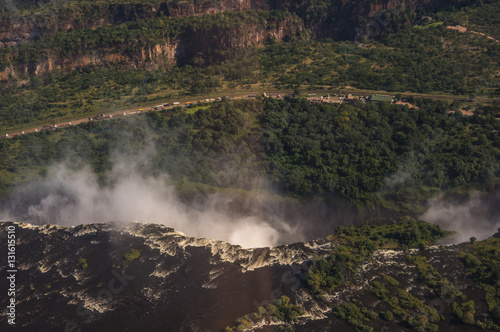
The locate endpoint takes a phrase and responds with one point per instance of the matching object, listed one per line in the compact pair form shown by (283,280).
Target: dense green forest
(303,150)
(355,149)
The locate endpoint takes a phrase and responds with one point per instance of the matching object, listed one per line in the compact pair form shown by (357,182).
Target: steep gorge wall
(20,28)
(210,40)
(17,28)
(204,42)
(154,57)
(345,19)
(336,19)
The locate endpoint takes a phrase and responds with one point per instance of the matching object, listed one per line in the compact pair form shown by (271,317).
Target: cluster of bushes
(416,314)
(428,274)
(83,263)
(132,255)
(328,273)
(282,310)
(358,243)
(465,311)
(279,309)
(406,233)
(483,260)
(355,316)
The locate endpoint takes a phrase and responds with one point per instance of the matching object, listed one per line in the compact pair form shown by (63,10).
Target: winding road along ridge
(184,104)
(119,114)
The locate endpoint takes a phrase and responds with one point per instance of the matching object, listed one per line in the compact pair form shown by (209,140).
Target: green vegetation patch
(356,149)
(279,310)
(83,263)
(132,255)
(483,260)
(428,274)
(356,244)
(355,316)
(413,312)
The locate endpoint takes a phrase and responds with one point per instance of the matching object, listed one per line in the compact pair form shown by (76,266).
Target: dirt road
(464,29)
(118,114)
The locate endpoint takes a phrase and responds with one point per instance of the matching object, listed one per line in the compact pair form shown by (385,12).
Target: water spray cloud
(69,197)
(474,217)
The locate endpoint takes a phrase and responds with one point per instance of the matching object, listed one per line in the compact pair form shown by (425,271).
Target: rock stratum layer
(338,20)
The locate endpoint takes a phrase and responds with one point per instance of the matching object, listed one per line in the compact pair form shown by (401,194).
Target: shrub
(387,315)
(465,311)
(83,263)
(132,255)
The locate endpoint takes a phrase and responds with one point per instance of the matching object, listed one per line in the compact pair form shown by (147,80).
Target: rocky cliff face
(16,28)
(188,45)
(177,283)
(138,277)
(337,19)
(191,41)
(340,20)
(351,20)
(207,41)
(158,56)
